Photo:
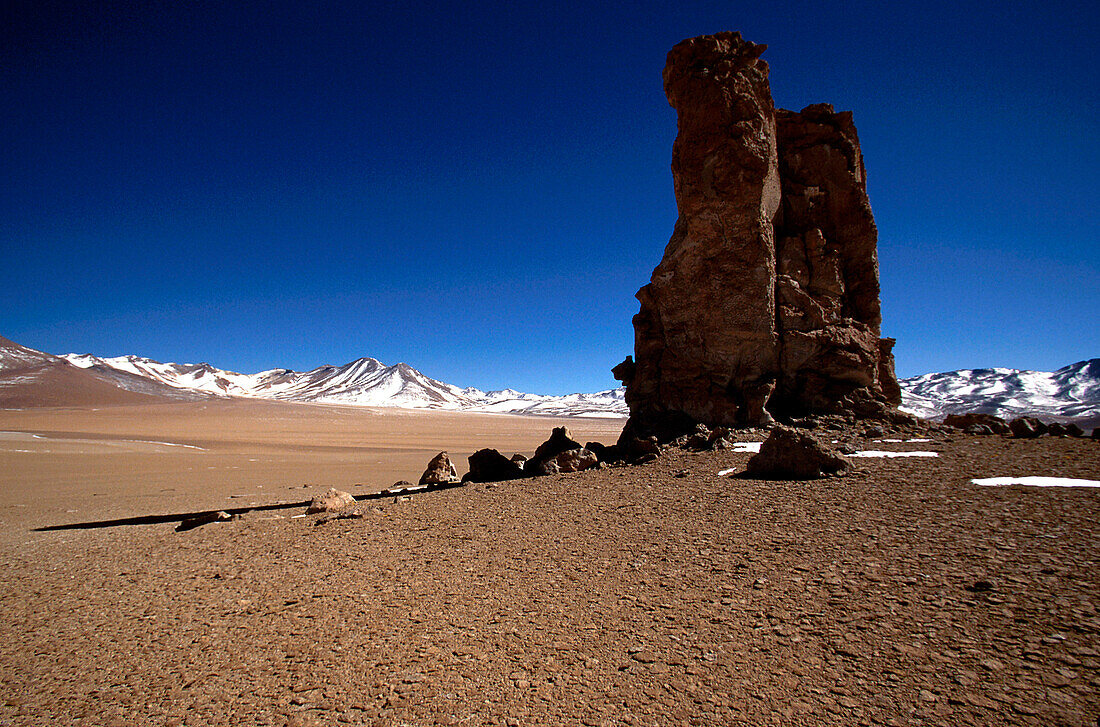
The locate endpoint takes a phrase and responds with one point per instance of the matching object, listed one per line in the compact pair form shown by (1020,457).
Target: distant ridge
(32,378)
(1071,392)
(363,382)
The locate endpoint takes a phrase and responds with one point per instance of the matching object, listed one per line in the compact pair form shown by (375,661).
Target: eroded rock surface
(791,454)
(332,501)
(767,299)
(439,471)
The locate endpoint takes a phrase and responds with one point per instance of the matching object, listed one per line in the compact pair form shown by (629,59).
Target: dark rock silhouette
(489,465)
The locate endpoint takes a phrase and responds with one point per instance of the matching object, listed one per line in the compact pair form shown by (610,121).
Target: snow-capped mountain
(33,378)
(1071,392)
(363,382)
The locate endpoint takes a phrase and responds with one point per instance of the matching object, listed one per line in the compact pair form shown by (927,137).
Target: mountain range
(1070,393)
(33,378)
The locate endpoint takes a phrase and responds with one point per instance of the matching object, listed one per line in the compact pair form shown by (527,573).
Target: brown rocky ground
(658,594)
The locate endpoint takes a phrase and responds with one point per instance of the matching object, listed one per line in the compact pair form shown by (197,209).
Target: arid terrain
(61,465)
(661,594)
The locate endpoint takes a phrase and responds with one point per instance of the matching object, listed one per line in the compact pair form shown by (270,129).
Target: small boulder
(560,441)
(332,501)
(440,471)
(698,442)
(603,452)
(1060,429)
(639,448)
(792,454)
(978,429)
(575,460)
(489,465)
(1096,433)
(519,458)
(962,421)
(1027,428)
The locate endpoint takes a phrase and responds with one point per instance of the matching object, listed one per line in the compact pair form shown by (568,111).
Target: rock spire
(766,301)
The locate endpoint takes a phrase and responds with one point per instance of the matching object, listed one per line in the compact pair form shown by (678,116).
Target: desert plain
(671,593)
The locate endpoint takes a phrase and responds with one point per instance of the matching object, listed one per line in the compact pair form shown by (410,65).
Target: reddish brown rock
(439,471)
(574,460)
(332,501)
(789,454)
(767,297)
(1027,428)
(995,424)
(560,441)
(705,347)
(831,357)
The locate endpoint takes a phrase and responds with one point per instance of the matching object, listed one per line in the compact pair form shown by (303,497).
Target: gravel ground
(660,594)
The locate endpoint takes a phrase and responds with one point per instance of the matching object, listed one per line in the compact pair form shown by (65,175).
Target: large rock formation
(766,301)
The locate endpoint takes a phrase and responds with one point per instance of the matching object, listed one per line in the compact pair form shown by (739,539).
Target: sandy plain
(60,465)
(662,594)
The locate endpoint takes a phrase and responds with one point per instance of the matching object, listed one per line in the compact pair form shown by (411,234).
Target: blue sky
(478,189)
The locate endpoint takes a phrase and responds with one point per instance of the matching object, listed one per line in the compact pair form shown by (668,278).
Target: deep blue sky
(478,189)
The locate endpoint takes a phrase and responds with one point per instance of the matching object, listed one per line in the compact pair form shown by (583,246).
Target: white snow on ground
(746,447)
(1035,482)
(881,453)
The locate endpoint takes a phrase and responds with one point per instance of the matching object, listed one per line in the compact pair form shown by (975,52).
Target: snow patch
(1035,482)
(880,453)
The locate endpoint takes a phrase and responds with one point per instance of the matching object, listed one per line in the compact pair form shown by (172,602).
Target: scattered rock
(332,501)
(698,442)
(440,471)
(978,430)
(638,447)
(560,441)
(995,424)
(519,459)
(575,460)
(1027,428)
(603,452)
(489,465)
(792,454)
(1058,429)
